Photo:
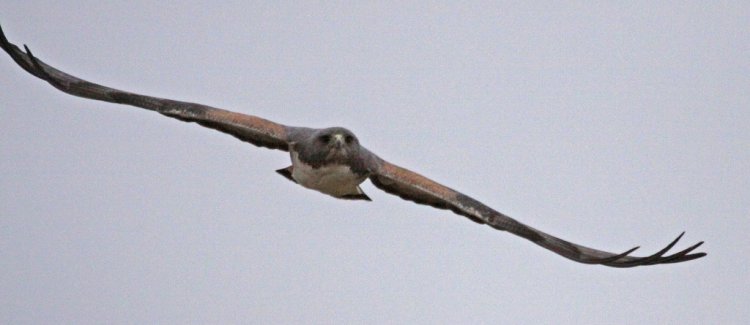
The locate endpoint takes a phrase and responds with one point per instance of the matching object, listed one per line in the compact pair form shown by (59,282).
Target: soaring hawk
(333,162)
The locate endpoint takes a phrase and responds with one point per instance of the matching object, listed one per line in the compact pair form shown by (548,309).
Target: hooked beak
(338,141)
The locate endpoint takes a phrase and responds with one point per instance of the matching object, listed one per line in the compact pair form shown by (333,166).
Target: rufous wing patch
(392,173)
(258,124)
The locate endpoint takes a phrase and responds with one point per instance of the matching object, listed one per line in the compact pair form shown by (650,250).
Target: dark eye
(325,138)
(349,139)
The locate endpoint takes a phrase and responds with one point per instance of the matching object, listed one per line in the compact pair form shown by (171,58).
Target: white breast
(336,180)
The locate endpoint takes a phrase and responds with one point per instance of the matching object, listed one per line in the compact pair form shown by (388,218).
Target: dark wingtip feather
(683,255)
(3,39)
(613,258)
(657,258)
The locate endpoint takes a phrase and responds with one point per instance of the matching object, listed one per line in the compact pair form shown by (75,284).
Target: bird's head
(337,142)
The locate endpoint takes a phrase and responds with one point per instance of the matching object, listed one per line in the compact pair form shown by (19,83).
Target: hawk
(332,161)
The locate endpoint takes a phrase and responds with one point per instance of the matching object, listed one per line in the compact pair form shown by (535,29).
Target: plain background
(608,124)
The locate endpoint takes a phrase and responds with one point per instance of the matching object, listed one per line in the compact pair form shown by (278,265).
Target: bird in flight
(332,161)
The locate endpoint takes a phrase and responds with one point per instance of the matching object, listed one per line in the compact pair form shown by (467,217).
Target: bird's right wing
(248,128)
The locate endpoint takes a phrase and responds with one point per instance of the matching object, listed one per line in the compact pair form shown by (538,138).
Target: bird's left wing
(248,128)
(417,188)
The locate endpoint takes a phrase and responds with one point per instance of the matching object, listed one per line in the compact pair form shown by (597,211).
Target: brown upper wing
(248,128)
(414,187)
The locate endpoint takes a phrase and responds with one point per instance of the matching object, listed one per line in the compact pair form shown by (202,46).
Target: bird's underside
(332,161)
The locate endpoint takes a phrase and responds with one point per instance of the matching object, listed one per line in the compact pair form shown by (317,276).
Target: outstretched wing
(248,128)
(414,187)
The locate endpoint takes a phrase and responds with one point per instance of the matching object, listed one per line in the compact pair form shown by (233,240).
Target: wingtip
(686,258)
(3,40)
(614,258)
(682,256)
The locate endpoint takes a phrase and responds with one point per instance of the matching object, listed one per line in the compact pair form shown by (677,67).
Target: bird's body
(334,180)
(337,180)
(332,161)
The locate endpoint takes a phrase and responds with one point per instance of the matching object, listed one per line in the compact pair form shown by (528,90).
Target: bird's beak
(338,141)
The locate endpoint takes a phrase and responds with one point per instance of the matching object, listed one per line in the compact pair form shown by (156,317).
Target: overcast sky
(610,125)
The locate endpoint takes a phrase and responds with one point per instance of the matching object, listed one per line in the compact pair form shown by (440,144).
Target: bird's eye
(349,139)
(325,138)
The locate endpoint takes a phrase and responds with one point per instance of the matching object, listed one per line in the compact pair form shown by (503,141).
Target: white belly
(337,180)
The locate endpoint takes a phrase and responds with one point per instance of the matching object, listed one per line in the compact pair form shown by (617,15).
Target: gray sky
(610,125)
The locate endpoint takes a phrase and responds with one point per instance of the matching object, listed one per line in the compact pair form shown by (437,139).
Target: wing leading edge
(248,128)
(414,187)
